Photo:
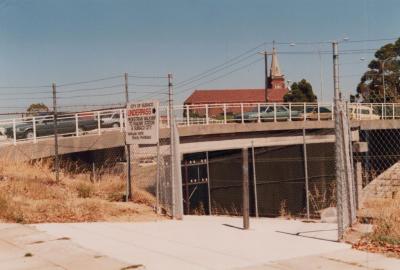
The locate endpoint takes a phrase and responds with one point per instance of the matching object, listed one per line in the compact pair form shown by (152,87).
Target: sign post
(142,127)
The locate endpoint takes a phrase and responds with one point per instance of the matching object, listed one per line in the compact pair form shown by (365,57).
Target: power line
(27,98)
(330,41)
(98,95)
(25,87)
(372,40)
(91,89)
(147,77)
(212,70)
(148,92)
(215,71)
(148,85)
(352,51)
(221,76)
(188,82)
(90,81)
(25,93)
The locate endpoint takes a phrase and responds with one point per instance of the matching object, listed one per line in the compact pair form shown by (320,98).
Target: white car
(3,136)
(111,121)
(360,112)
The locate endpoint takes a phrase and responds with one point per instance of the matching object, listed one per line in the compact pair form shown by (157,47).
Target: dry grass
(29,194)
(385,237)
(386,221)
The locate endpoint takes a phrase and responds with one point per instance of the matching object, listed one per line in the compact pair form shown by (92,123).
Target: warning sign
(142,120)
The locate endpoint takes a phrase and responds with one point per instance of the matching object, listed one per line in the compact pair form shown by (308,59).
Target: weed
(84,190)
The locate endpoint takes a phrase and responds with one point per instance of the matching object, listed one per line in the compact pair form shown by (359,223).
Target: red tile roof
(235,96)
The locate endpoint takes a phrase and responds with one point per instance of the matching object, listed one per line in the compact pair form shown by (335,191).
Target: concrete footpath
(338,260)
(195,243)
(26,248)
(201,242)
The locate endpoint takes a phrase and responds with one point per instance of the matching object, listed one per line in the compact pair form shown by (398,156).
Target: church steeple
(275,70)
(276,78)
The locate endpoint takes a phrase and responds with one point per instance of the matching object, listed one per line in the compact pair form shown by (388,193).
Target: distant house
(232,98)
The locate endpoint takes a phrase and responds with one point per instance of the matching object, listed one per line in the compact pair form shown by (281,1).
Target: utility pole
(55,129)
(321,74)
(171,142)
(266,83)
(338,142)
(127,149)
(245,204)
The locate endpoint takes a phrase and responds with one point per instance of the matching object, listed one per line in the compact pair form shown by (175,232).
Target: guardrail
(78,124)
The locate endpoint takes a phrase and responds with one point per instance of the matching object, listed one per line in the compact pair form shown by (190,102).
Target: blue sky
(47,41)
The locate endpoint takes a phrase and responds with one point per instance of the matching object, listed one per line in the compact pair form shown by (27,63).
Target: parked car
(45,127)
(312,113)
(111,120)
(3,137)
(361,112)
(267,114)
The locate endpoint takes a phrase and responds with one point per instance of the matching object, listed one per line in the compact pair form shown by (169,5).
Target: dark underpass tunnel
(212,182)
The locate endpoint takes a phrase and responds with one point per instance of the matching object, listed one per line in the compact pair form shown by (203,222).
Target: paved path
(202,242)
(195,243)
(25,248)
(348,259)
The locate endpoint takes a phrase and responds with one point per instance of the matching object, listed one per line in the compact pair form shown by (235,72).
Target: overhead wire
(147,77)
(180,84)
(221,76)
(89,81)
(213,69)
(91,89)
(98,95)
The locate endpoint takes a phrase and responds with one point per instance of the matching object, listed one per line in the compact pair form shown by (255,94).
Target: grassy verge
(29,194)
(385,237)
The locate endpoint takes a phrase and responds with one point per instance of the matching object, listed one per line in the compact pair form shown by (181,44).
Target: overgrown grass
(29,194)
(386,222)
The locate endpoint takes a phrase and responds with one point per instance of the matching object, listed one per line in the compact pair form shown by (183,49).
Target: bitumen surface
(197,242)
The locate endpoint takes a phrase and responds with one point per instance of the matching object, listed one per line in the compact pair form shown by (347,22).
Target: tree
(36,108)
(385,64)
(300,92)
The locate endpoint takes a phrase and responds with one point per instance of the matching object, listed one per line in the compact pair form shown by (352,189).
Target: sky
(59,41)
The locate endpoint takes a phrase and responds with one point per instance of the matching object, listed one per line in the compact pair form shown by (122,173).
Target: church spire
(275,69)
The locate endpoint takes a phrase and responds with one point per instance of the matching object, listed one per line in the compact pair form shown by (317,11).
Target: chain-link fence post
(344,170)
(306,174)
(177,180)
(253,162)
(338,142)
(245,186)
(56,157)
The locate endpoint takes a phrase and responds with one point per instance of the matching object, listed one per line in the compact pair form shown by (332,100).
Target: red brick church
(274,93)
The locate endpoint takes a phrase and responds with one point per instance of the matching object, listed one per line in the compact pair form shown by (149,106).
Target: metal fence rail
(34,128)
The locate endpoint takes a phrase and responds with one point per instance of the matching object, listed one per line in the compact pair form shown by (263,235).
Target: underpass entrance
(212,181)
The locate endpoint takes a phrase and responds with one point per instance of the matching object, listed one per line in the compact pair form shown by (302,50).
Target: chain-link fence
(279,178)
(380,164)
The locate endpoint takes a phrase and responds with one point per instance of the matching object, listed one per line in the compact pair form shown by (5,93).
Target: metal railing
(79,124)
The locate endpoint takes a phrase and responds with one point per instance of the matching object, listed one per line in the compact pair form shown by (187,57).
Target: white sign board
(142,119)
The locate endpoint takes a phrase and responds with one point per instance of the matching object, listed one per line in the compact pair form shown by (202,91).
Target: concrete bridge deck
(199,138)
